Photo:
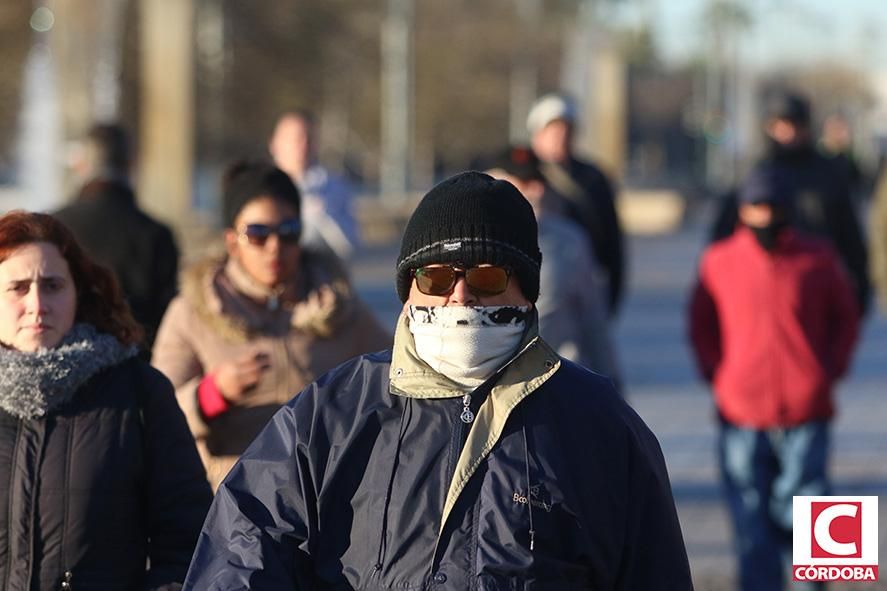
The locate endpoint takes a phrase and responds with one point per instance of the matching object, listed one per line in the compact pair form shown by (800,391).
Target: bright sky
(782,31)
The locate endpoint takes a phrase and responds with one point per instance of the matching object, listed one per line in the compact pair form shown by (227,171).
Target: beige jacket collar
(409,376)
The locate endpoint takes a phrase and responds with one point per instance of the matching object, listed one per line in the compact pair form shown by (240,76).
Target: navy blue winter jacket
(368,479)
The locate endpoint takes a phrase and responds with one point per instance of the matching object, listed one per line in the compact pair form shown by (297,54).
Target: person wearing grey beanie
(470,455)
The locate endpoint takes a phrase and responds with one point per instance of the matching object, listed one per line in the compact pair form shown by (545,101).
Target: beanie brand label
(451,246)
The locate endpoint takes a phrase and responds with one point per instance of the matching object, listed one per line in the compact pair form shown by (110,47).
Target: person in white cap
(588,195)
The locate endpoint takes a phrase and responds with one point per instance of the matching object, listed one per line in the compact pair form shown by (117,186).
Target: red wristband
(210,399)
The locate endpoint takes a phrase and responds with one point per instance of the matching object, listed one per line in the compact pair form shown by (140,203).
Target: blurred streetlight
(725,20)
(397,99)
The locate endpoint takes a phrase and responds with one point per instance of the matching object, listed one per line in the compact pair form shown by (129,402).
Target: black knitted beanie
(471,218)
(246,180)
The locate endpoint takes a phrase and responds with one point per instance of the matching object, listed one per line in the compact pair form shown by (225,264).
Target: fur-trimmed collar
(239,312)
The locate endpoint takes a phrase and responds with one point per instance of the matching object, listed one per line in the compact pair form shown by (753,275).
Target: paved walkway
(663,387)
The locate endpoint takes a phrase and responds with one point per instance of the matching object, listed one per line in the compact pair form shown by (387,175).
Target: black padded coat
(100,486)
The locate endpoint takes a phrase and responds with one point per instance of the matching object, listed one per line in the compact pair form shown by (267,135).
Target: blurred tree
(462,73)
(724,15)
(326,57)
(15,40)
(255,61)
(299,54)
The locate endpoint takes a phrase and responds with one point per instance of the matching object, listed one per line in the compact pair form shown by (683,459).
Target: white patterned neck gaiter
(467,344)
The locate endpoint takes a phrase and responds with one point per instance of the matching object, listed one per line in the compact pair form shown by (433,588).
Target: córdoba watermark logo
(835,539)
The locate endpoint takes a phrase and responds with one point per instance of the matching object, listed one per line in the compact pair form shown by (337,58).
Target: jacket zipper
(32,518)
(457,443)
(68,576)
(460,435)
(9,518)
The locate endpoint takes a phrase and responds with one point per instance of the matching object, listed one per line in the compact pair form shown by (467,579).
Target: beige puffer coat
(214,320)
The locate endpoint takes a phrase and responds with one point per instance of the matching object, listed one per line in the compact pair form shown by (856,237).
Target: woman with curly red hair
(99,474)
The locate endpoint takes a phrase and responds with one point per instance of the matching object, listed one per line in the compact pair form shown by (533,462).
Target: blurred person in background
(572,302)
(107,221)
(252,328)
(588,195)
(773,322)
(836,143)
(100,476)
(469,456)
(327,199)
(822,203)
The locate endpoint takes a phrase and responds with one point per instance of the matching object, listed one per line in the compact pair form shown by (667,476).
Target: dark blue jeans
(762,470)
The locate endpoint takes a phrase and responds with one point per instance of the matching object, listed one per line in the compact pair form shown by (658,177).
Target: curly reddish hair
(100,301)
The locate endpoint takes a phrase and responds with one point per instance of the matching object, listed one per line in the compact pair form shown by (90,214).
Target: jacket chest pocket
(527,522)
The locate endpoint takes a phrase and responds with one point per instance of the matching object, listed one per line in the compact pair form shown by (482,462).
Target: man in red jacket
(773,322)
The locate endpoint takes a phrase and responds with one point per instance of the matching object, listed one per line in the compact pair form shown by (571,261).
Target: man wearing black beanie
(472,218)
(469,456)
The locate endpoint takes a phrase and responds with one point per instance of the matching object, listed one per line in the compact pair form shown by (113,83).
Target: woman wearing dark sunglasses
(252,329)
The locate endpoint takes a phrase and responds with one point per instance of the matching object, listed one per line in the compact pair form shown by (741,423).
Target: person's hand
(169,587)
(237,377)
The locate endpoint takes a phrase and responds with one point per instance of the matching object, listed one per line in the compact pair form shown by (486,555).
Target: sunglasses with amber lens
(439,280)
(288,232)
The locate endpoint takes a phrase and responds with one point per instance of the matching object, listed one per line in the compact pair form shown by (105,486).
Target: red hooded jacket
(772,331)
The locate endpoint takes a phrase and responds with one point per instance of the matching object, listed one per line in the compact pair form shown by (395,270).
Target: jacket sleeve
(844,318)
(177,494)
(591,200)
(704,330)
(256,535)
(592,311)
(848,241)
(654,555)
(613,247)
(726,218)
(175,356)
